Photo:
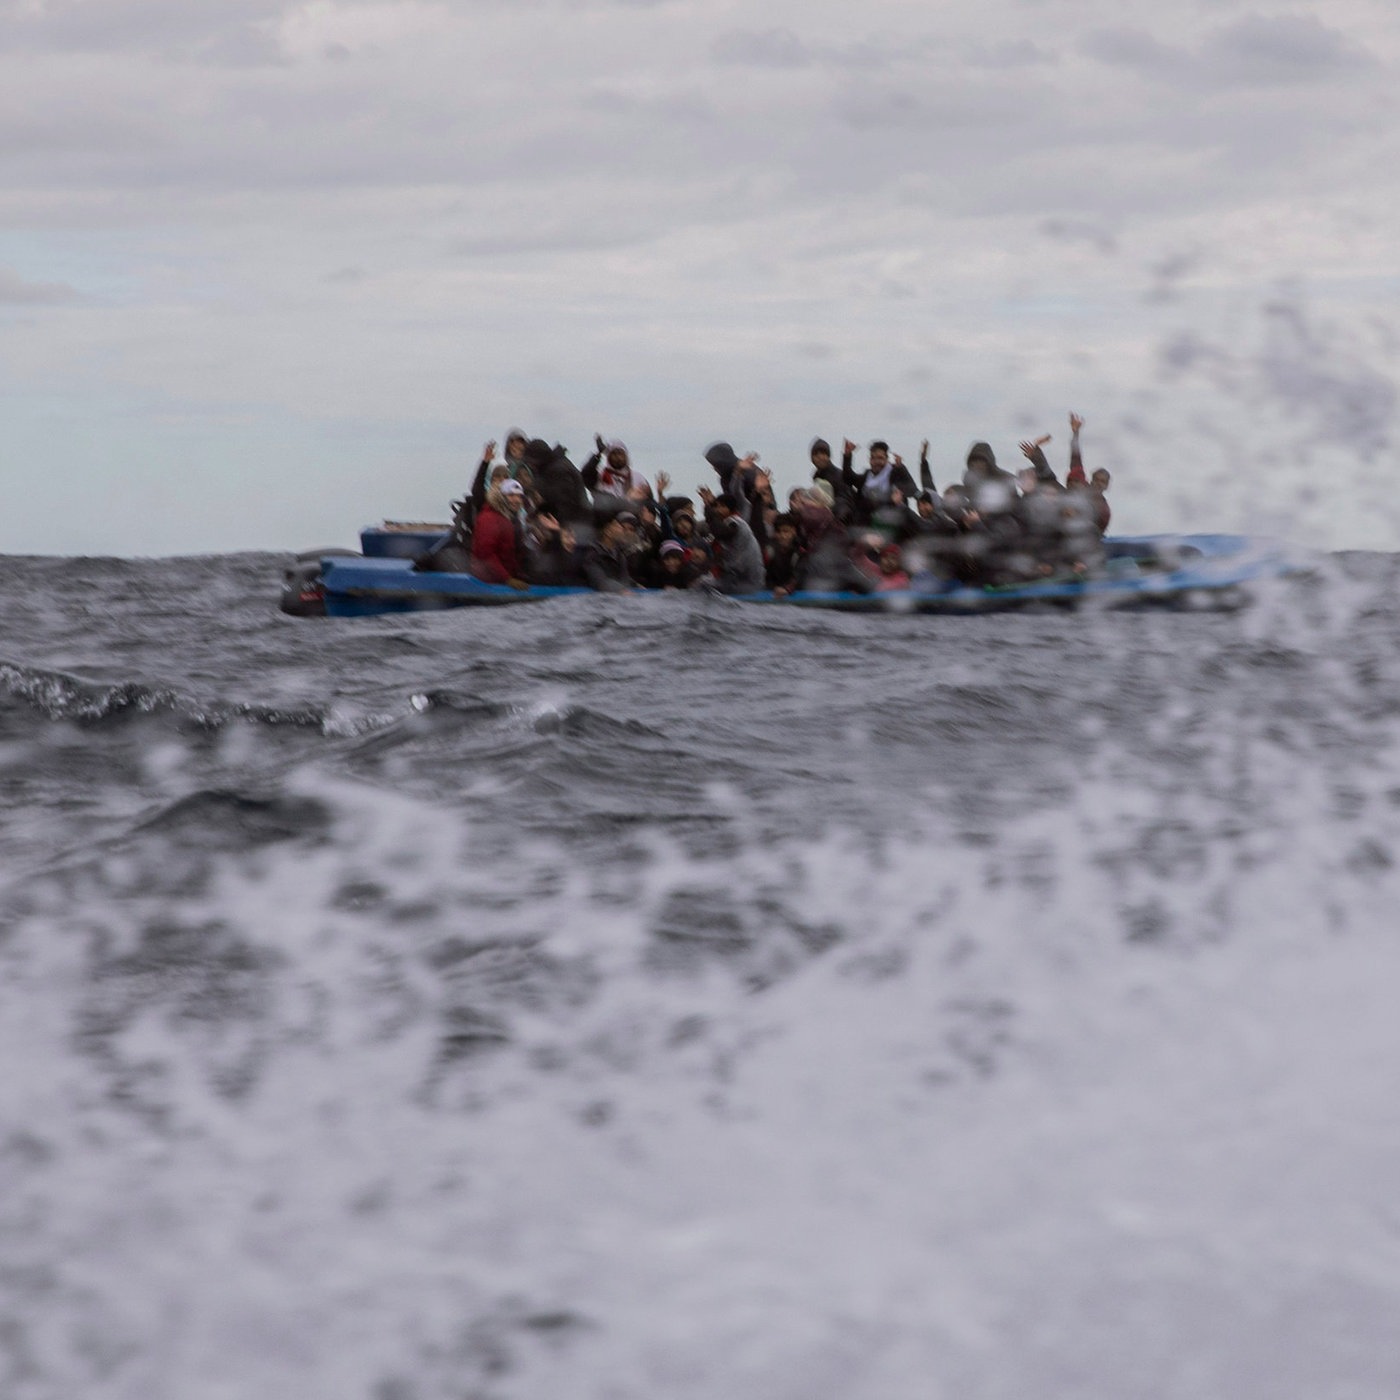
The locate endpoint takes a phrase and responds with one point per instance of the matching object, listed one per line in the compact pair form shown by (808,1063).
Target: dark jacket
(604,569)
(558,483)
(992,489)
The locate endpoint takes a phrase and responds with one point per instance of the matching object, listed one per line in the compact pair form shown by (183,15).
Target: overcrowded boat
(535,527)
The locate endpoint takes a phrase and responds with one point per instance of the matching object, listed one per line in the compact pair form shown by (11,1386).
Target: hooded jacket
(497,554)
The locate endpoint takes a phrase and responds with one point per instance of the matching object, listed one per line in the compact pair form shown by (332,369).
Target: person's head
(879,455)
(820,494)
(722,457)
(506,497)
(897,498)
(1100,479)
(499,474)
(981,460)
(683,524)
(673,558)
(537,453)
(515,445)
(620,530)
(617,458)
(820,452)
(891,559)
(725,506)
(785,531)
(926,506)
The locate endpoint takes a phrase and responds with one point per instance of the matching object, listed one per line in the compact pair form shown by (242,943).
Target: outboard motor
(302,592)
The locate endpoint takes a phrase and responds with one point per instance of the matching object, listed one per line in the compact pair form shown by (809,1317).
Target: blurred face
(617,460)
(821,458)
(786,536)
(1100,479)
(879,459)
(515,448)
(673,561)
(890,562)
(926,509)
(683,525)
(499,474)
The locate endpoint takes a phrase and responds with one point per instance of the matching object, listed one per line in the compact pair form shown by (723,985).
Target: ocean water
(624,998)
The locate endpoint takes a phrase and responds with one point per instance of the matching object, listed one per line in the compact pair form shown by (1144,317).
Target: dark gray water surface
(445,843)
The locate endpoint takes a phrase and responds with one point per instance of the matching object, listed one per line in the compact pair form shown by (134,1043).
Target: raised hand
(706,495)
(898,460)
(489,451)
(1075,422)
(848,446)
(598,439)
(663,483)
(547,521)
(923,450)
(1029,449)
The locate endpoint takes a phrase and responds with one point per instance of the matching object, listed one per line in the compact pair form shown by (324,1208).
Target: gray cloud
(117,26)
(1255,50)
(16,291)
(768,48)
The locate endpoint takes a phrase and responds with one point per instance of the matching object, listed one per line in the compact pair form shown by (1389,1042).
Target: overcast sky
(270,270)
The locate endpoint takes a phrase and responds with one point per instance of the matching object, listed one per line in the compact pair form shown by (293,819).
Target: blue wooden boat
(1202,571)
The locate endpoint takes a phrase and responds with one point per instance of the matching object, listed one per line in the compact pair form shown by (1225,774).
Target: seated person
(603,562)
(674,567)
(784,556)
(740,560)
(551,553)
(891,574)
(497,553)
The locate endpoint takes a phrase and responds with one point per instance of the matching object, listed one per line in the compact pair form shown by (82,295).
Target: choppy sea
(628,998)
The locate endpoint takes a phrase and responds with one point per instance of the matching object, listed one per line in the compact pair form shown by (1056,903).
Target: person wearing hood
(558,483)
(723,458)
(513,460)
(609,471)
(824,469)
(991,488)
(498,553)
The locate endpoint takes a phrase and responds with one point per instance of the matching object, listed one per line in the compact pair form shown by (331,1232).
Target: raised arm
(1076,462)
(1034,453)
(478,491)
(925,475)
(589,470)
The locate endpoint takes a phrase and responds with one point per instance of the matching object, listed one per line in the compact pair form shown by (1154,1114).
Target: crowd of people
(533,517)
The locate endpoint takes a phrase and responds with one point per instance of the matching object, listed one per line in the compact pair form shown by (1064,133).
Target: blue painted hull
(1142,571)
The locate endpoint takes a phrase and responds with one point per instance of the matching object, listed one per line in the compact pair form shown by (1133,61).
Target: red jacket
(495,550)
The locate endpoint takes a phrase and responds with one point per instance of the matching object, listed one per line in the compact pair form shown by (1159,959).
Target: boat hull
(1141,571)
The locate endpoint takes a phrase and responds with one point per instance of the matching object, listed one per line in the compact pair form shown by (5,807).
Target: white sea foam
(1098,1103)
